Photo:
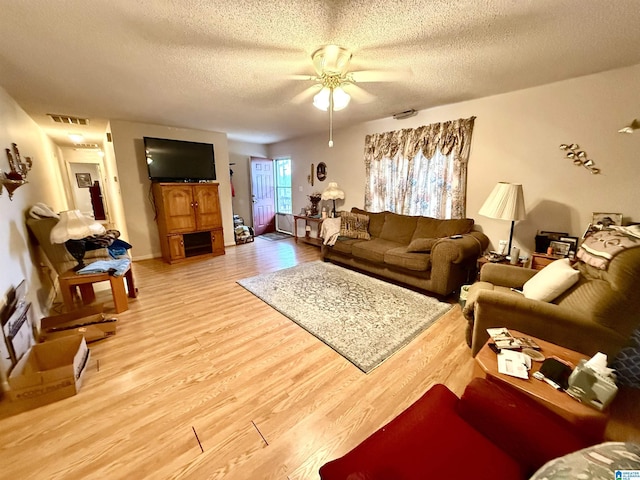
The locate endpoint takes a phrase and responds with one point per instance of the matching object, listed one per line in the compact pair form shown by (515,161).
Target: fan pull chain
(331,118)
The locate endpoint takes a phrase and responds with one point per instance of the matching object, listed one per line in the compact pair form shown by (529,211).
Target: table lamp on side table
(506,202)
(332,192)
(72,230)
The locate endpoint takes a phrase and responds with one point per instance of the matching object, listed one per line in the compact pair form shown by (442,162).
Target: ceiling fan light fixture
(322,100)
(340,99)
(331,59)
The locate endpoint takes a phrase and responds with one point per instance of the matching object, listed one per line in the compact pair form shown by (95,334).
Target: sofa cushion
(400,257)
(345,245)
(354,225)
(398,228)
(421,245)
(426,227)
(455,226)
(376,220)
(373,250)
(551,281)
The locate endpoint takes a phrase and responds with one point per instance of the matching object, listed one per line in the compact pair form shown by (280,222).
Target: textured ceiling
(224,66)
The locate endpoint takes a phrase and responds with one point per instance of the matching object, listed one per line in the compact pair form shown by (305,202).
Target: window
(283,185)
(421,171)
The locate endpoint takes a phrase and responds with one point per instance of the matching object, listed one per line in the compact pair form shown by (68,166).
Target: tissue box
(591,387)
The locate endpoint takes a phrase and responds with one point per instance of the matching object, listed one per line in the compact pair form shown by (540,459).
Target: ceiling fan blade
(306,94)
(301,77)
(359,94)
(379,75)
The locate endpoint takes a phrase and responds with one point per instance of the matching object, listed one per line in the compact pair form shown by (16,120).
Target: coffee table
(587,419)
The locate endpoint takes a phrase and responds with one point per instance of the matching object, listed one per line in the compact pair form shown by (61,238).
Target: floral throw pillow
(354,225)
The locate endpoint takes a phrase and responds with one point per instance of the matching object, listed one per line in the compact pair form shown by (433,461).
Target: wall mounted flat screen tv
(179,161)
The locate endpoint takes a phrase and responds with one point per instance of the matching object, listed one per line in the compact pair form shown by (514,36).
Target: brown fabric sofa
(442,265)
(597,314)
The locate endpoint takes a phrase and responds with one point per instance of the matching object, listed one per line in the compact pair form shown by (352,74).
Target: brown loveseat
(597,314)
(416,251)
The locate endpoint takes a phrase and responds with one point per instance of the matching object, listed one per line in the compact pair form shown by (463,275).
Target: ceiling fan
(335,85)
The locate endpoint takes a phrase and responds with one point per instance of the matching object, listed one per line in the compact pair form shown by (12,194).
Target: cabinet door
(176,247)
(207,207)
(179,208)
(217,241)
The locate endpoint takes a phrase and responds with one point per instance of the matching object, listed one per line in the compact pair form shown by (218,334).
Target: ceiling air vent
(68,120)
(86,145)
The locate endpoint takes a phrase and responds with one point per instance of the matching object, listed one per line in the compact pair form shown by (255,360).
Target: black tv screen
(179,161)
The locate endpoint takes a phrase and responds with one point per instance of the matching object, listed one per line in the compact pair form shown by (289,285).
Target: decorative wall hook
(19,170)
(579,157)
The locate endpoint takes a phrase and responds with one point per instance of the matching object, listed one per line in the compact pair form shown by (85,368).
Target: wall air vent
(68,120)
(405,114)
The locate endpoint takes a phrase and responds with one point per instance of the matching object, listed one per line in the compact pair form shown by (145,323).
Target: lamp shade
(332,192)
(506,202)
(73,225)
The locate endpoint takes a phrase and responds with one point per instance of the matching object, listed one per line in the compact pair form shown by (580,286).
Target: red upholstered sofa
(491,432)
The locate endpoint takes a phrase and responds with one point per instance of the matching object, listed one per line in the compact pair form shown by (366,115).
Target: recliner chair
(597,314)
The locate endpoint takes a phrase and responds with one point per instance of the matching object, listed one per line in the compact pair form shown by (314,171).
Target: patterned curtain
(419,171)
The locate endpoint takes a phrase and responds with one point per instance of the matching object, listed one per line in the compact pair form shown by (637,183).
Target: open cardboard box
(88,321)
(50,371)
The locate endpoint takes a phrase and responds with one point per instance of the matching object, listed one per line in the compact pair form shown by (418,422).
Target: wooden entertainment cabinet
(189,220)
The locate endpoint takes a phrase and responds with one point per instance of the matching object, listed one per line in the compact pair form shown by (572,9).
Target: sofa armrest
(564,326)
(459,250)
(524,429)
(506,275)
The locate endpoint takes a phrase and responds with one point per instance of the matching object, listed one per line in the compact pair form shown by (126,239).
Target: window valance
(452,136)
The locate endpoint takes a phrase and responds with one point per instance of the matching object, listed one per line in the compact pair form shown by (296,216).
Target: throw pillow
(354,225)
(551,281)
(627,363)
(421,245)
(598,462)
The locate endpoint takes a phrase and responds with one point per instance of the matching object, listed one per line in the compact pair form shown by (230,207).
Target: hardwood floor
(267,400)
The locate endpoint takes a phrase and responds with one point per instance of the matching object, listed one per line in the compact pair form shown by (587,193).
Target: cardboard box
(50,371)
(88,321)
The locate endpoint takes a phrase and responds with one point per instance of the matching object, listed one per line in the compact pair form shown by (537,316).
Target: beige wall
(135,186)
(19,260)
(516,139)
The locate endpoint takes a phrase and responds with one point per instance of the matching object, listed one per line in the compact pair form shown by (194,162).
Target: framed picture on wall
(84,180)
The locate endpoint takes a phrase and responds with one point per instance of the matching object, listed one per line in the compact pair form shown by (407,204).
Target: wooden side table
(587,419)
(307,234)
(541,260)
(484,260)
(69,280)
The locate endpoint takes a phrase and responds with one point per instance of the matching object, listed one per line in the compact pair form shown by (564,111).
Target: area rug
(274,236)
(364,319)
